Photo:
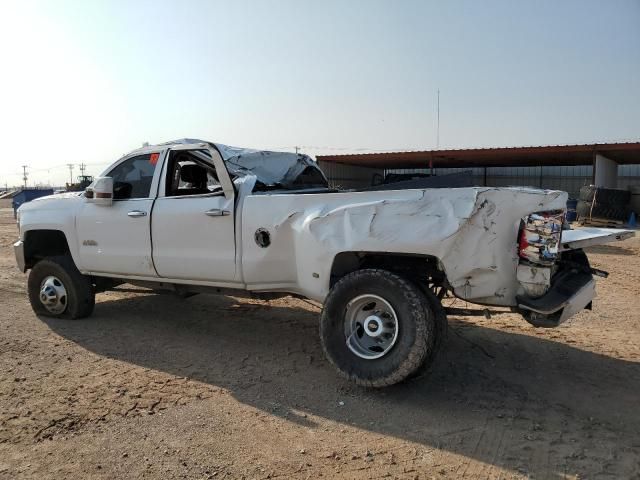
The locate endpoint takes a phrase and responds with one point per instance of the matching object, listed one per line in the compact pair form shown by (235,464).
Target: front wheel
(57,289)
(377,328)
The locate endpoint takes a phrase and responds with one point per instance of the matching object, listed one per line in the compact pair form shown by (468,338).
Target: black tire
(441,333)
(416,328)
(585,210)
(605,196)
(80,297)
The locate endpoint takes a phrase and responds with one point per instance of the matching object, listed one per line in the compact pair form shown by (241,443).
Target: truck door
(116,239)
(192,225)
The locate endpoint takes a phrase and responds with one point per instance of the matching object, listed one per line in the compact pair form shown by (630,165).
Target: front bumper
(18,250)
(569,294)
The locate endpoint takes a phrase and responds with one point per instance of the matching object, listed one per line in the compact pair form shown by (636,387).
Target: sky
(86,82)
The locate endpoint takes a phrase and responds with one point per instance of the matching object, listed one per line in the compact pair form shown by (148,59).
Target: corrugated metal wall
(628,175)
(569,179)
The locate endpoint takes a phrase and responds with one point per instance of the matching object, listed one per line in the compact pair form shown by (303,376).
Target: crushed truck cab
(194,216)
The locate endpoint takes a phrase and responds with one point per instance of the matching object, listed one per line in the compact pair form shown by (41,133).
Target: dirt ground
(154,386)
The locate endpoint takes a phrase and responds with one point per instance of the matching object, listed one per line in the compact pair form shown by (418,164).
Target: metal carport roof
(560,155)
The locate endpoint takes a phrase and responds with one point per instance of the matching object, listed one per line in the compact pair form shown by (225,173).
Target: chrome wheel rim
(53,295)
(370,326)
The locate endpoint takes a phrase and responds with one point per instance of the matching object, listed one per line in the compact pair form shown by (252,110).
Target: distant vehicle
(379,179)
(83,182)
(403,181)
(194,217)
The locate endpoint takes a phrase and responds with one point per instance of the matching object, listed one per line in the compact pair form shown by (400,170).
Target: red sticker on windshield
(154,158)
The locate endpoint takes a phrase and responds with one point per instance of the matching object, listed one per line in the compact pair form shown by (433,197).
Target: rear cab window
(189,175)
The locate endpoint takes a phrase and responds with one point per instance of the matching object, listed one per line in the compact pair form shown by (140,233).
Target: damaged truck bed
(193,216)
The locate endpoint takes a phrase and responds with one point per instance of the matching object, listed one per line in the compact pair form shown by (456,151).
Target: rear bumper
(569,294)
(18,250)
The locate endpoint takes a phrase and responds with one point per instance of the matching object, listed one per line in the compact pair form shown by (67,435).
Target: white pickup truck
(194,216)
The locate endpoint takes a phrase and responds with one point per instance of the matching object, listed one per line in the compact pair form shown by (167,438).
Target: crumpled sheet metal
(472,231)
(270,168)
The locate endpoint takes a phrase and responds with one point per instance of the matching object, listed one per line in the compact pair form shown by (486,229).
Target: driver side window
(133,177)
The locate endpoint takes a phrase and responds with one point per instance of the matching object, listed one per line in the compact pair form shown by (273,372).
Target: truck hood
(272,169)
(51,201)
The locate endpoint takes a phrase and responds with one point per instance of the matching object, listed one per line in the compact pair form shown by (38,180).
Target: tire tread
(420,308)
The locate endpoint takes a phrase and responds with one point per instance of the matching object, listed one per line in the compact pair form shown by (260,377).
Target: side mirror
(100,191)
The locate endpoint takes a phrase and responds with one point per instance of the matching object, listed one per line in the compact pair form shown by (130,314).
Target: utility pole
(24,175)
(438,122)
(70,165)
(297,148)
(83,167)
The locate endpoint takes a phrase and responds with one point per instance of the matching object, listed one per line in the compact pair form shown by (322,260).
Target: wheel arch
(421,269)
(43,243)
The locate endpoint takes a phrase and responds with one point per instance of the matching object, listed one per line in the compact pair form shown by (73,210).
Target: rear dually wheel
(377,328)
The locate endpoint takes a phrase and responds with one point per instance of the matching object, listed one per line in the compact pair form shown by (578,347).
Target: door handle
(137,213)
(217,212)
